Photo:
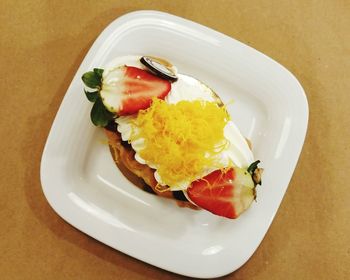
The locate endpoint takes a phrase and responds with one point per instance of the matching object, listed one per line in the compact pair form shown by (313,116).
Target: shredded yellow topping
(181,139)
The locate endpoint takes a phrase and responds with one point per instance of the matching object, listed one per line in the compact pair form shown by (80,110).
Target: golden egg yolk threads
(182,140)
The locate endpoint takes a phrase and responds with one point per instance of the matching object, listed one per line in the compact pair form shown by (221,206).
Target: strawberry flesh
(221,193)
(135,89)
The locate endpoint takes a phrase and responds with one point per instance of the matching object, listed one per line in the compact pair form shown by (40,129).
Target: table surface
(42,46)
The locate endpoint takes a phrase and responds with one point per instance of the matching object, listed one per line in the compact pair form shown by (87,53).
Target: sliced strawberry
(225,193)
(126,89)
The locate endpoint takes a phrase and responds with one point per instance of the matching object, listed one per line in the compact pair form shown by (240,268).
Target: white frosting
(190,89)
(187,88)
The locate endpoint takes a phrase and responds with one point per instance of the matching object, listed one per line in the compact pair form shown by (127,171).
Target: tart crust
(124,156)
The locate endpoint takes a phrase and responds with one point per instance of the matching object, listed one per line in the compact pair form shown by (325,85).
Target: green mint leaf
(98,72)
(92,96)
(100,116)
(92,80)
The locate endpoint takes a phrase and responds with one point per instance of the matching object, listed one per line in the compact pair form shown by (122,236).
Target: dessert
(174,132)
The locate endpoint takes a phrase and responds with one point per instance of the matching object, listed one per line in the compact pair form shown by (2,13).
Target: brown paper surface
(42,46)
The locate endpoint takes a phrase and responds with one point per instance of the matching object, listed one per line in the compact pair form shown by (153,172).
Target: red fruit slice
(224,193)
(127,89)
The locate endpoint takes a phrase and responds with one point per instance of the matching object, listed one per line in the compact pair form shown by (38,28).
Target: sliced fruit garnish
(126,90)
(226,193)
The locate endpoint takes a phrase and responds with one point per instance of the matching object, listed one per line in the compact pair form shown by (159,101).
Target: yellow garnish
(182,139)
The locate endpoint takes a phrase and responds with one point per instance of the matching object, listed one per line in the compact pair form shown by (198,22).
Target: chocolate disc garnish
(158,69)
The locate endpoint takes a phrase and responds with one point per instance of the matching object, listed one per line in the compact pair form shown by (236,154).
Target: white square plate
(83,185)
